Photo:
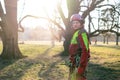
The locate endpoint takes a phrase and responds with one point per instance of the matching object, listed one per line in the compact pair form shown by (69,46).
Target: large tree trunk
(68,36)
(10,45)
(10,31)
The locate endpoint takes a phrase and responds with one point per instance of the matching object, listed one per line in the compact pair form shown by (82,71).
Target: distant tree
(110,20)
(75,6)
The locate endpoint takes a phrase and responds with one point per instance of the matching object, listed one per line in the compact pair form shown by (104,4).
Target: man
(78,49)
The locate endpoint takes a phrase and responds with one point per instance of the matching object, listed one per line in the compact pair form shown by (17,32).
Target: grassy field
(45,63)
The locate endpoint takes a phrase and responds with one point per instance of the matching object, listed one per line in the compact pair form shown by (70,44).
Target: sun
(40,8)
(36,7)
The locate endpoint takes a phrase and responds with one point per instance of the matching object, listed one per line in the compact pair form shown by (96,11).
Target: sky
(38,8)
(35,7)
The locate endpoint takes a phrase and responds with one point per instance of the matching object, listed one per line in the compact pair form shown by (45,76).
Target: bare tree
(109,20)
(73,6)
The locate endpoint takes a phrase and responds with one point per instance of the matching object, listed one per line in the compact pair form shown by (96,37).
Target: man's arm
(83,40)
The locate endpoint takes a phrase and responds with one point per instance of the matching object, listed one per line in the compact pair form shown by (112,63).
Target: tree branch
(59,26)
(92,7)
(97,32)
(61,13)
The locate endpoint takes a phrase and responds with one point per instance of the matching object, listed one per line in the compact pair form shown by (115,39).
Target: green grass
(45,63)
(104,63)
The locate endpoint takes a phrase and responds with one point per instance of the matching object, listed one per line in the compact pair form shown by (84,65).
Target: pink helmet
(76,17)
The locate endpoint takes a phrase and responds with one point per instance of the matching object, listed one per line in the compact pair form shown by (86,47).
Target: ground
(45,62)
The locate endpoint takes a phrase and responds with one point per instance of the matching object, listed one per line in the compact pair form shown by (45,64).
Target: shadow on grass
(98,72)
(4,63)
(45,52)
(51,71)
(95,71)
(15,69)
(18,68)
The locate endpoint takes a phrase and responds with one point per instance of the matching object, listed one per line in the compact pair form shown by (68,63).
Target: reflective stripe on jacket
(80,45)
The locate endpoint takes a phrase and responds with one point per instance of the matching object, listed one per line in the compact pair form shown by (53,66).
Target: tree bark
(68,36)
(117,39)
(10,31)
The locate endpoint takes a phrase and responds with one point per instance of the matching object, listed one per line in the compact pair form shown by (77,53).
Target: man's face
(76,25)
